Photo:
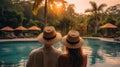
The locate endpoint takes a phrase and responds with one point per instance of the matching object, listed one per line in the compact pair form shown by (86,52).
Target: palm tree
(95,10)
(35,9)
(39,2)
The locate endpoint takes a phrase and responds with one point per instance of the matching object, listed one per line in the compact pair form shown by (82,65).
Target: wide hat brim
(49,42)
(65,43)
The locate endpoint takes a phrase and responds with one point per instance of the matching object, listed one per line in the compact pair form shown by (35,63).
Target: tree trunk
(45,13)
(96,20)
(96,27)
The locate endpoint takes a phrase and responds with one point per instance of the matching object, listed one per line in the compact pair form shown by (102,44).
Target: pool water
(100,53)
(16,52)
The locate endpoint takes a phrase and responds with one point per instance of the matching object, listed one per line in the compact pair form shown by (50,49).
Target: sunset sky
(82,5)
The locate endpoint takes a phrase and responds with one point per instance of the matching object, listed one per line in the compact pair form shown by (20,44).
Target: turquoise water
(100,53)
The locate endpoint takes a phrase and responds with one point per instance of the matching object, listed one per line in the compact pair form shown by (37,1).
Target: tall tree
(95,10)
(4,4)
(114,9)
(70,10)
(70,15)
(38,3)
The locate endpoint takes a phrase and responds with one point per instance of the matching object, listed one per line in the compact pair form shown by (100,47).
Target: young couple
(48,56)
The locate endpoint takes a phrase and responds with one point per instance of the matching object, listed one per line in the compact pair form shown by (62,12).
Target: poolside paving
(18,39)
(104,39)
(35,39)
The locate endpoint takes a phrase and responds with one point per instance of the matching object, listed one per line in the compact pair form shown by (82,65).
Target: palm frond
(88,10)
(36,6)
(101,7)
(94,5)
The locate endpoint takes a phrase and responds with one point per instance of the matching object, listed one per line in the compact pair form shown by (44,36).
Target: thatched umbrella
(34,28)
(108,25)
(7,28)
(21,28)
(8,32)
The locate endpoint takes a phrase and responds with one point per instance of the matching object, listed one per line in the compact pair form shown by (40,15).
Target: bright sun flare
(57,7)
(58,4)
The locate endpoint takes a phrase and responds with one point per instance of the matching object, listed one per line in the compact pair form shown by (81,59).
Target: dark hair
(76,56)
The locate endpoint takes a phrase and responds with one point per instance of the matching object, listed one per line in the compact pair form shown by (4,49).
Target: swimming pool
(100,53)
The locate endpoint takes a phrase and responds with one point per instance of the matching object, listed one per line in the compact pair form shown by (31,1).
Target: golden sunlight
(58,4)
(57,7)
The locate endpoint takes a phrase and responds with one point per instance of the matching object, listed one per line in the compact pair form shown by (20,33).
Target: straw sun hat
(72,39)
(49,36)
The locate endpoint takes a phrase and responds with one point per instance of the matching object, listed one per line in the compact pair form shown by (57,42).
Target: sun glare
(57,7)
(58,4)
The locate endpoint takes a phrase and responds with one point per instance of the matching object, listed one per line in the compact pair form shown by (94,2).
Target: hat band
(72,42)
(47,38)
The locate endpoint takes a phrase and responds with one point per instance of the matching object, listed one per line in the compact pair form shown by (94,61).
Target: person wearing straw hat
(46,56)
(74,56)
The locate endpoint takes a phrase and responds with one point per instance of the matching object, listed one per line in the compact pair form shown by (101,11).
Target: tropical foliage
(59,14)
(96,10)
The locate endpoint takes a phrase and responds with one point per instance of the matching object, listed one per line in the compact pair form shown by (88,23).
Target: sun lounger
(13,35)
(21,35)
(10,36)
(117,39)
(28,35)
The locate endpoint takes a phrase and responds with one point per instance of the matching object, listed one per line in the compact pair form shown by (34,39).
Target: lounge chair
(21,35)
(117,39)
(13,35)
(28,35)
(10,35)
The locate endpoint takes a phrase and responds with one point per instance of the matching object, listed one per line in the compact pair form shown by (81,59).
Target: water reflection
(113,49)
(95,49)
(96,55)
(22,63)
(100,53)
(104,53)
(6,49)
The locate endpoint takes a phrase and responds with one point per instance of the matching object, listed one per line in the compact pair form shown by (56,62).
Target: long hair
(76,56)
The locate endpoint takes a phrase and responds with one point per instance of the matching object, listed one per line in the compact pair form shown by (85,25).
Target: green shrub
(95,34)
(88,35)
(118,33)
